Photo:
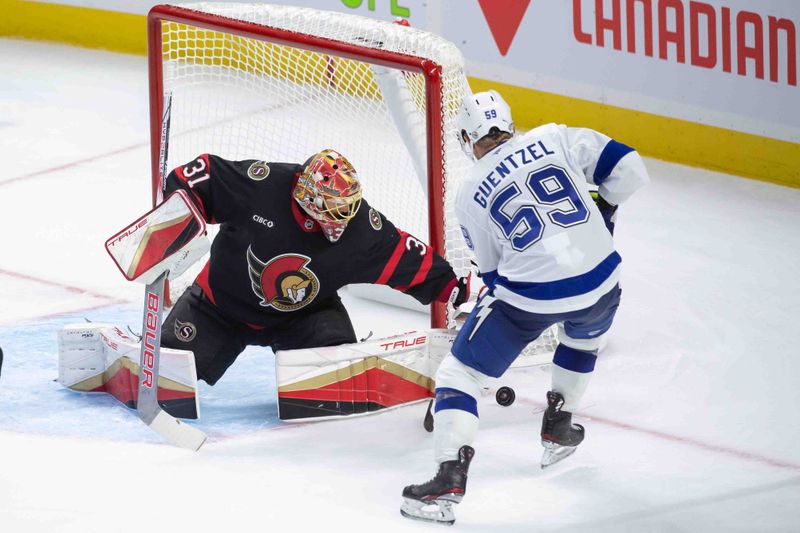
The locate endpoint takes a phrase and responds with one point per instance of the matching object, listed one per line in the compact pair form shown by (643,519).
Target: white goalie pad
(170,237)
(103,358)
(359,378)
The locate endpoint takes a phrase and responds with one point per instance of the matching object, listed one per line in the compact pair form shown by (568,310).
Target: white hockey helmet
(479,113)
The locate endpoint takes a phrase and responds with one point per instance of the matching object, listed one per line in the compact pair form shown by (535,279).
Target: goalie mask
(329,190)
(479,113)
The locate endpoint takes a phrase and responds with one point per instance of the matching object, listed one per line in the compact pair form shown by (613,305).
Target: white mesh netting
(242,97)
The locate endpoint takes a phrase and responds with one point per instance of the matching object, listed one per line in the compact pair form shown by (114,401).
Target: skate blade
(553,453)
(437,511)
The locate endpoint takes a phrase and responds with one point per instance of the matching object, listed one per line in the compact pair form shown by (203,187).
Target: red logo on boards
(504,18)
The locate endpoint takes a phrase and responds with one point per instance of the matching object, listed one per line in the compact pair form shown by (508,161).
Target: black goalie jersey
(269,258)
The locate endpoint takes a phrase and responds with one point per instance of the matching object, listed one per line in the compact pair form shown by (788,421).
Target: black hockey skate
(560,436)
(433,501)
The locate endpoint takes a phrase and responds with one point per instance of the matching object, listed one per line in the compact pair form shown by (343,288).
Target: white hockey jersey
(525,210)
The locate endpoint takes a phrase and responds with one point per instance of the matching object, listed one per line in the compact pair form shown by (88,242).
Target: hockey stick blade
(173,430)
(427,422)
(176,432)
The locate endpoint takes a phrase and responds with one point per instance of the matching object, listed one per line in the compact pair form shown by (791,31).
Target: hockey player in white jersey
(545,250)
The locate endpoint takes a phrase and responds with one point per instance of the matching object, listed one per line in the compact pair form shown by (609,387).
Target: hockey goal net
(279,83)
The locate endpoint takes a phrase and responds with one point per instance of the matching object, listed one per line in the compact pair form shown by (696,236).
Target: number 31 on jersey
(196,171)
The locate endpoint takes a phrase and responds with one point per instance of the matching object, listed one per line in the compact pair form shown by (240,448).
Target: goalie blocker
(171,238)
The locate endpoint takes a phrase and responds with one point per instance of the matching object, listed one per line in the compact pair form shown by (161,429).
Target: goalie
(291,235)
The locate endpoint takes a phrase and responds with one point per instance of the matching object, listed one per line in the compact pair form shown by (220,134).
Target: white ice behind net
(244,98)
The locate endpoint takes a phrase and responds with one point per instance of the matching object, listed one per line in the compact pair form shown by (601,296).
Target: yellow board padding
(657,136)
(653,135)
(92,28)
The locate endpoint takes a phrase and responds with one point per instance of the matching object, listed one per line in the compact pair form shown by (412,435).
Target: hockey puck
(505,396)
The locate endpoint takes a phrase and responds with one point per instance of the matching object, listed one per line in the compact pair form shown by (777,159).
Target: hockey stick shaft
(169,427)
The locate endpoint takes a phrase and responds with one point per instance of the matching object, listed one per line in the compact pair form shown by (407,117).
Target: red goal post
(208,37)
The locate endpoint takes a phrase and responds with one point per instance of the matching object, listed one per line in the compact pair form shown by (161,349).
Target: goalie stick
(150,412)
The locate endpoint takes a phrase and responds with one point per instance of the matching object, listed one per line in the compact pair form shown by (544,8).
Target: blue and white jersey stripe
(609,158)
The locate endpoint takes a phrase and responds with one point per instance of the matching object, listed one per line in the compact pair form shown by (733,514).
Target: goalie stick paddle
(172,429)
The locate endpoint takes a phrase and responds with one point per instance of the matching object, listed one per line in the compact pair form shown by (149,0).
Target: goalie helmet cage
(279,83)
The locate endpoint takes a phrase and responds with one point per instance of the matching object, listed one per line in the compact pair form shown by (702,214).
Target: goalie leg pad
(103,358)
(358,378)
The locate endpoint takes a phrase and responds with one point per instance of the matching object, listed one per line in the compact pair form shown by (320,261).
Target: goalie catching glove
(169,238)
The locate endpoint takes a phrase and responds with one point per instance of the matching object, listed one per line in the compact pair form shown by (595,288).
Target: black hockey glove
(608,211)
(461,291)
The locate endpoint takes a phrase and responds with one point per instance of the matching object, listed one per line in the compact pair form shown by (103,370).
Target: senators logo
(375,219)
(284,283)
(258,171)
(185,331)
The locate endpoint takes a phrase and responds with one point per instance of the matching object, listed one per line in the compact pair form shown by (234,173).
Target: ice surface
(691,416)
